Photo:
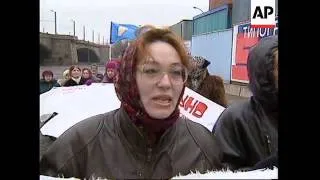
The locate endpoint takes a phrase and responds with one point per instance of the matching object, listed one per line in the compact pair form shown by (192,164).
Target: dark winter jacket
(267,163)
(99,77)
(212,88)
(106,79)
(46,86)
(44,140)
(111,146)
(247,132)
(71,82)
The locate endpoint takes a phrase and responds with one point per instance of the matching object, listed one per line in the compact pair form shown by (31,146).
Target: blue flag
(122,31)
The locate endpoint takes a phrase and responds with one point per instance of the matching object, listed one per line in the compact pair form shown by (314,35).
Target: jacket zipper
(149,165)
(268,144)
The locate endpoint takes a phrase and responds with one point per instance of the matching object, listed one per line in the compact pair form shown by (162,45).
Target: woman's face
(48,78)
(75,73)
(160,80)
(94,70)
(110,73)
(85,74)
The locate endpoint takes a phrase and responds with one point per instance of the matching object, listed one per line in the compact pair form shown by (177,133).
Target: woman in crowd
(209,86)
(87,76)
(75,77)
(47,82)
(65,77)
(112,69)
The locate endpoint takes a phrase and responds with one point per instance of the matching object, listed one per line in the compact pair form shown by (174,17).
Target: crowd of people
(146,137)
(74,76)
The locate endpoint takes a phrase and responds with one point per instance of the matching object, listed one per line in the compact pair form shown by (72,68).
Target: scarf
(128,94)
(77,80)
(198,73)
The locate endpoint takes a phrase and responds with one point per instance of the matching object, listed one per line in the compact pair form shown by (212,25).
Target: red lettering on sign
(200,110)
(196,108)
(182,102)
(189,104)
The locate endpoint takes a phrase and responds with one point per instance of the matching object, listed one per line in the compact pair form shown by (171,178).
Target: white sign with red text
(200,109)
(74,104)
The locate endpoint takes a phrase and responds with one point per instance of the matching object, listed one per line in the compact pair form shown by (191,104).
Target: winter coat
(267,163)
(71,82)
(44,140)
(99,77)
(106,79)
(62,81)
(47,86)
(96,78)
(212,88)
(247,132)
(111,146)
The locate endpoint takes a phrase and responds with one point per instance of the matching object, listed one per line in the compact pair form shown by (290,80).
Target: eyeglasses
(177,73)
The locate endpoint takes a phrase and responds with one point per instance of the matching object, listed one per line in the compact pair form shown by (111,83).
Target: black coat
(111,146)
(47,86)
(267,163)
(247,132)
(246,135)
(71,82)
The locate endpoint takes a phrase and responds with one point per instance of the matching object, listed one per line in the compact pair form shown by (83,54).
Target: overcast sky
(97,14)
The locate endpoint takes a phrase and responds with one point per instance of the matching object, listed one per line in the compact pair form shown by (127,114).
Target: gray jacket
(111,146)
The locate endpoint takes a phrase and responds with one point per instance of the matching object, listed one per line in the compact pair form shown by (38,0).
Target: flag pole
(110,46)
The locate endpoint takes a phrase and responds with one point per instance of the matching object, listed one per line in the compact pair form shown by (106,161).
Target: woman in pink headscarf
(145,138)
(112,69)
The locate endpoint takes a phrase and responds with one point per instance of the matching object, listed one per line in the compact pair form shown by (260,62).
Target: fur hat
(65,73)
(200,62)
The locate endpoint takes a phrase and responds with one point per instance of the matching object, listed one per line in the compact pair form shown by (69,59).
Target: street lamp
(194,7)
(93,36)
(98,38)
(74,27)
(55,21)
(84,33)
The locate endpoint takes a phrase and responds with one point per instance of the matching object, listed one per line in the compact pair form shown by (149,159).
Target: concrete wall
(47,42)
(237,90)
(60,46)
(61,52)
(74,54)
(64,49)
(104,54)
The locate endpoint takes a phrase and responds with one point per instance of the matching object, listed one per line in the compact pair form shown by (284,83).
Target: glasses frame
(140,68)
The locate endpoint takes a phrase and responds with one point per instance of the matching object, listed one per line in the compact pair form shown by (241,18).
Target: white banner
(76,103)
(227,174)
(199,109)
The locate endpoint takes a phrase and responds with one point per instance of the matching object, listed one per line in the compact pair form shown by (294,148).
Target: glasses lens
(177,73)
